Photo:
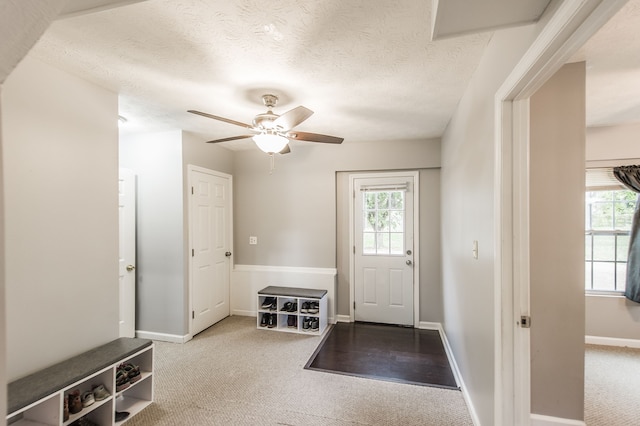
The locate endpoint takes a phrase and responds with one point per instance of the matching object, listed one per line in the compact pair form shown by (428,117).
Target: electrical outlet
(253,240)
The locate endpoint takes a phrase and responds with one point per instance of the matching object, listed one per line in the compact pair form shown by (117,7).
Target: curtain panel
(629,176)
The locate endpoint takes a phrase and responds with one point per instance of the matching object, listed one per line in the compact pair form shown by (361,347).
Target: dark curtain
(630,177)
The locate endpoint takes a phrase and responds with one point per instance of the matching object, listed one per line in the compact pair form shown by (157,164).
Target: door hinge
(193,314)
(354,305)
(354,249)
(192,190)
(193,252)
(525,321)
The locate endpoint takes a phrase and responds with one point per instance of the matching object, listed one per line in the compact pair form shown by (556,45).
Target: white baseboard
(425,325)
(343,318)
(540,420)
(244,313)
(454,367)
(612,341)
(163,337)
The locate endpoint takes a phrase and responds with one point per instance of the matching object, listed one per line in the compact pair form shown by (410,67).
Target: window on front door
(383,223)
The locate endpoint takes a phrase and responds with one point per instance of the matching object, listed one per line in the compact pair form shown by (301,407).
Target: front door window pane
(383,223)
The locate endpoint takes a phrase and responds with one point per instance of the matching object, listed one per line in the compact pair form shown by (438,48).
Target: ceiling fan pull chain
(273,163)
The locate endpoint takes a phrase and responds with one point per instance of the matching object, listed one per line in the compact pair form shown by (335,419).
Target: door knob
(130,268)
(409,262)
(228,254)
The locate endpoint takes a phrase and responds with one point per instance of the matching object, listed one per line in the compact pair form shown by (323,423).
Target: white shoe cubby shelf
(38,399)
(292,309)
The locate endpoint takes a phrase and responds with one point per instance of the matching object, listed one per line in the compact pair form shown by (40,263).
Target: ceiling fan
(272,132)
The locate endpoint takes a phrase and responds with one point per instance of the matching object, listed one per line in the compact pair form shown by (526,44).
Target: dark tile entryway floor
(385,352)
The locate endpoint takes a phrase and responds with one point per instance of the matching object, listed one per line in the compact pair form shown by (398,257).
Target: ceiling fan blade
(285,150)
(226,120)
(313,137)
(232,138)
(292,118)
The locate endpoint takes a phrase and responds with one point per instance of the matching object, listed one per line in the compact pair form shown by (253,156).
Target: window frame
(615,233)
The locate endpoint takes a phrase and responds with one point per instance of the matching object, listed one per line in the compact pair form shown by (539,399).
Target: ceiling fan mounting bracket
(269,100)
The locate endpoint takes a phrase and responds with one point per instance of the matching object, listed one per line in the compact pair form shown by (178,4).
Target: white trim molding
(343,318)
(540,420)
(454,368)
(247,280)
(163,337)
(415,175)
(612,341)
(568,26)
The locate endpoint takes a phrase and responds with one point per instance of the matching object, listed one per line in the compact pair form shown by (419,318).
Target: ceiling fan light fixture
(270,143)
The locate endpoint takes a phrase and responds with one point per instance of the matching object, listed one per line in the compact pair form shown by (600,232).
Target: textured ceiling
(613,69)
(367,68)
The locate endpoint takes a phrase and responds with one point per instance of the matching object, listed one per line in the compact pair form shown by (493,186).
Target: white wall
(21,24)
(292,211)
(612,317)
(160,162)
(60,143)
(156,159)
(557,180)
(3,316)
(467,177)
(613,143)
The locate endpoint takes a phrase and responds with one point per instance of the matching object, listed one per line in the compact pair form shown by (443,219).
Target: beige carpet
(612,386)
(235,374)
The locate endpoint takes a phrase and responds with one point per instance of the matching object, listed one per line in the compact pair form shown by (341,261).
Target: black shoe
(263,321)
(272,321)
(306,323)
(268,303)
(287,307)
(315,324)
(304,308)
(121,415)
(294,307)
(292,321)
(314,307)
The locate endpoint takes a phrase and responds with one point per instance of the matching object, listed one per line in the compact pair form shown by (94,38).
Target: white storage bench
(37,399)
(307,311)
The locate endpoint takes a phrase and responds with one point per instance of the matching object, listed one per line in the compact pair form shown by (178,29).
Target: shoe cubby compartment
(105,378)
(292,309)
(38,399)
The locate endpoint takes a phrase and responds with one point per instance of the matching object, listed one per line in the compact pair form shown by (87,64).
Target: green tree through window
(383,230)
(608,218)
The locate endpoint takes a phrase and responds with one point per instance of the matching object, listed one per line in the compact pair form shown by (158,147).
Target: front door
(127,252)
(210,236)
(384,248)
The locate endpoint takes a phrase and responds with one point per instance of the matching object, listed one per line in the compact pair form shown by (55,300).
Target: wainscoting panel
(247,280)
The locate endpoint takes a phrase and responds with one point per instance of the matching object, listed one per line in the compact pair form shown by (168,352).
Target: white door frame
(572,24)
(416,238)
(192,168)
(127,252)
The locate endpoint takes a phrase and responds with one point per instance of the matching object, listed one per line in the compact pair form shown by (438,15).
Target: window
(608,218)
(383,223)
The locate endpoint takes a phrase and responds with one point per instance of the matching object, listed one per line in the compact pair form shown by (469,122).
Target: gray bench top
(306,293)
(40,384)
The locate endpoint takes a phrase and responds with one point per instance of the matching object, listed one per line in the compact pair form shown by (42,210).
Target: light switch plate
(253,240)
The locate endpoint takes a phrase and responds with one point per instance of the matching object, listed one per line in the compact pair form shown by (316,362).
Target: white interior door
(210,231)
(127,252)
(384,249)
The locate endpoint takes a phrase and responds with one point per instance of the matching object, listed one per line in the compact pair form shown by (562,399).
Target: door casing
(416,237)
(229,243)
